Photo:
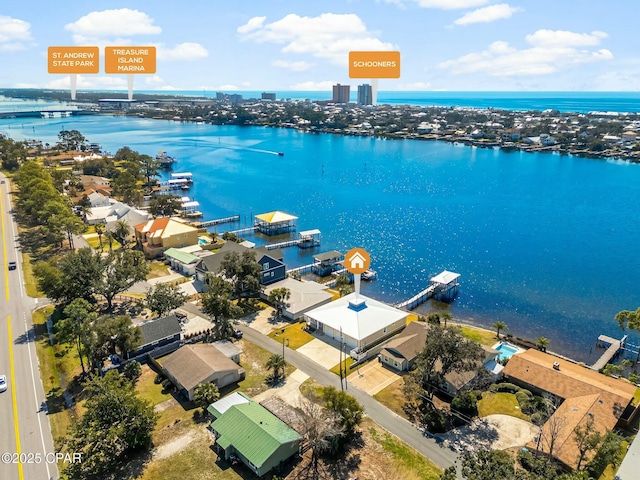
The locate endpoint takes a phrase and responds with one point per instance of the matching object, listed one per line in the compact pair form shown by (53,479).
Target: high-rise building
(221,96)
(268,96)
(365,96)
(341,93)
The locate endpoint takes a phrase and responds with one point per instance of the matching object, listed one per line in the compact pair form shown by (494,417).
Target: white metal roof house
(362,322)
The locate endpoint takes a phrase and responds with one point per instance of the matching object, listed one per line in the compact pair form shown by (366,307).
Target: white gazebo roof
(357,322)
(445,277)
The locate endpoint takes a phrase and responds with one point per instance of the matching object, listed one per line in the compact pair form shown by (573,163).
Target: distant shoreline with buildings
(600,135)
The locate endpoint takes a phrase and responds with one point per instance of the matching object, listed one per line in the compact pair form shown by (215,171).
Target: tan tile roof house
(587,394)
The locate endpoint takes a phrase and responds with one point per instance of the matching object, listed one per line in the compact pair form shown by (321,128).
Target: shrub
(167,385)
(435,421)
(523,398)
(538,418)
(159,378)
(504,387)
(465,402)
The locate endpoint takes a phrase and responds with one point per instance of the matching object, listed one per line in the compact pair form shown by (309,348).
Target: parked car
(3,383)
(237,333)
(13,265)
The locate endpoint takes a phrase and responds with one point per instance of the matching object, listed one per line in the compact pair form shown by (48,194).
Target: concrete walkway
(289,391)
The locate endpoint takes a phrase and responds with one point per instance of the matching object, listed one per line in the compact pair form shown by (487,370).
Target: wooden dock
(303,269)
(217,221)
(613,348)
(244,230)
(444,286)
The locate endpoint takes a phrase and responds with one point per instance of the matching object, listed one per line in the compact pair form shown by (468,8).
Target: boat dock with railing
(443,286)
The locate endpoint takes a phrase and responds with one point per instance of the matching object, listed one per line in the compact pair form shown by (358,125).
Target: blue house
(157,333)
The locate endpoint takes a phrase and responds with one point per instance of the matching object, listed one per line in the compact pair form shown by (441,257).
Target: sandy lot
(496,432)
(174,446)
(264,321)
(289,391)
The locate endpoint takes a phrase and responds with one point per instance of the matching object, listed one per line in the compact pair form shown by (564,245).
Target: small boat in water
(281,154)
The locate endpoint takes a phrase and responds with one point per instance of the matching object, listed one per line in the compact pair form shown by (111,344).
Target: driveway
(372,377)
(264,321)
(321,352)
(493,432)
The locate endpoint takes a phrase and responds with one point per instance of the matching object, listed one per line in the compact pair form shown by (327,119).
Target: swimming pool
(506,350)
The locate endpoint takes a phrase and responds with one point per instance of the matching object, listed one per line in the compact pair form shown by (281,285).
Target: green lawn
(94,242)
(58,366)
(504,403)
(148,389)
(31,284)
(157,269)
(411,465)
(483,337)
(294,333)
(393,397)
(336,368)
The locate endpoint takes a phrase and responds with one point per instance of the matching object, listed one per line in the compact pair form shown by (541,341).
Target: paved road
(395,424)
(24,429)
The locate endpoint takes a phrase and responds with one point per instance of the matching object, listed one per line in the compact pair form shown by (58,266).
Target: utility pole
(284,366)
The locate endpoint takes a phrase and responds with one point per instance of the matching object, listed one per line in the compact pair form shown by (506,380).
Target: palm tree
(275,363)
(446,316)
(121,232)
(99,228)
(108,235)
(542,343)
(499,326)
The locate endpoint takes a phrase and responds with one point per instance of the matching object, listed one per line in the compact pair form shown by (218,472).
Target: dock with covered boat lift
(443,286)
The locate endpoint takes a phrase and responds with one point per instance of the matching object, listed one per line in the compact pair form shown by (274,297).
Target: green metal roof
(253,431)
(184,257)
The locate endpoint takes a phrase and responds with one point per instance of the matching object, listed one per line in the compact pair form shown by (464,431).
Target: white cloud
(310,85)
(15,34)
(450,4)
(300,66)
(90,82)
(107,24)
(547,55)
(563,38)
(226,86)
(488,14)
(253,24)
(186,51)
(328,36)
(414,87)
(154,80)
(26,85)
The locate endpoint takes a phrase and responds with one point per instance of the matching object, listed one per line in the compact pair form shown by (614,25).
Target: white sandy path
(174,446)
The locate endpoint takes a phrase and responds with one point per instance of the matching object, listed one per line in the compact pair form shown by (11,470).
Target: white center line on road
(35,394)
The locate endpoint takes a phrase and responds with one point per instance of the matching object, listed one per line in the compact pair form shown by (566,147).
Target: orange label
(73,60)
(374,64)
(357,260)
(130,59)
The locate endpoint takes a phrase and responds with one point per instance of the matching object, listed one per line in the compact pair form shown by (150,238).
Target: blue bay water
(546,243)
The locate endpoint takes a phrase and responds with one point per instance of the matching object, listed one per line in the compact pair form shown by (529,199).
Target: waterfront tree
(343,285)
(628,319)
(499,326)
(164,297)
(587,440)
(150,168)
(71,140)
(446,350)
(542,343)
(165,205)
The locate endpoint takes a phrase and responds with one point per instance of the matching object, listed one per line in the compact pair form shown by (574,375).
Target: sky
(276,45)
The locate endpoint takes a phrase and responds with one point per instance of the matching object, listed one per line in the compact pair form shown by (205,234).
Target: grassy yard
(58,366)
(294,333)
(94,242)
(504,403)
(336,368)
(157,269)
(409,463)
(31,284)
(483,337)
(393,398)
